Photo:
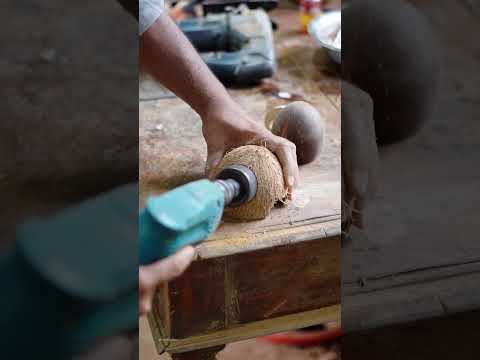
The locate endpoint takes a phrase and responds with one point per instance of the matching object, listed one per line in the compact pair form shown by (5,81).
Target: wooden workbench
(260,277)
(420,256)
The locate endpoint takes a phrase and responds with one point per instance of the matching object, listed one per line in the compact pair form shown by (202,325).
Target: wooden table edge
(272,238)
(248,331)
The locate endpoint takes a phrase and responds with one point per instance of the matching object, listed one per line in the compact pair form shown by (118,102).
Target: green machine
(237,44)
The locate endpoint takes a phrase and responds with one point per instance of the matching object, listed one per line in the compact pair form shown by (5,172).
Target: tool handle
(184,216)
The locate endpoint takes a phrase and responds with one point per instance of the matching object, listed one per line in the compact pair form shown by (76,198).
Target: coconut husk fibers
(270,183)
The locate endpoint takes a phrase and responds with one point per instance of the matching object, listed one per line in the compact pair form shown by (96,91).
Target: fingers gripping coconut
(227,128)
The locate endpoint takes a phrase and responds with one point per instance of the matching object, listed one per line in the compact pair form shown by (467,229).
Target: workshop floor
(251,350)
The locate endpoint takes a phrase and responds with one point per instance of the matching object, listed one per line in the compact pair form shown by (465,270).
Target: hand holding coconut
(298,132)
(226,127)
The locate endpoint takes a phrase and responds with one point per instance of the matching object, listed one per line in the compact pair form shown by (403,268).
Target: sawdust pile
(270,183)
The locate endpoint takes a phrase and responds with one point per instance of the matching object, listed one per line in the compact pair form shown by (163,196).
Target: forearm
(168,55)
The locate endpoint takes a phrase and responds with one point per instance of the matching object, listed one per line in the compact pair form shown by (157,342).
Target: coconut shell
(270,183)
(303,125)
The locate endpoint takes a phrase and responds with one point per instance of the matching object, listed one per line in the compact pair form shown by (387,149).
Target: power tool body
(191,212)
(81,264)
(237,45)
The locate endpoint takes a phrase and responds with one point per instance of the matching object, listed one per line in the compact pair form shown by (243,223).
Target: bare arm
(169,56)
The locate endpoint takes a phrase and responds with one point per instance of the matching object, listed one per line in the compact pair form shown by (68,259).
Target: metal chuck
(239,184)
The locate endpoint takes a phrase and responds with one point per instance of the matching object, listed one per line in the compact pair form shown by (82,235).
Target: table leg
(203,354)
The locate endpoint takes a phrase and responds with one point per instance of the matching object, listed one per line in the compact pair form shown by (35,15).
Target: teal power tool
(188,214)
(72,278)
(237,45)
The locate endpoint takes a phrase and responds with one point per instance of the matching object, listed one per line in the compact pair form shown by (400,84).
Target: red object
(305,338)
(311,6)
(309,9)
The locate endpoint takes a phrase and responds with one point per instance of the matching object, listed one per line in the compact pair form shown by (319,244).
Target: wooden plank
(255,329)
(411,302)
(197,299)
(427,274)
(419,256)
(247,241)
(289,279)
(426,214)
(221,292)
(316,200)
(159,319)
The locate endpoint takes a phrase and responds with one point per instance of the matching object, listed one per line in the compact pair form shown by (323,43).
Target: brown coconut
(270,182)
(303,125)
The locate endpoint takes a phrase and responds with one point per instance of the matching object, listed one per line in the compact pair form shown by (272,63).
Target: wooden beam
(272,238)
(402,304)
(255,329)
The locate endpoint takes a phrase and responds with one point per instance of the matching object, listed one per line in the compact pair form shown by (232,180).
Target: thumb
(213,160)
(166,269)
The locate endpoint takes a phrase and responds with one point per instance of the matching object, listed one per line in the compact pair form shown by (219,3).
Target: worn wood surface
(230,298)
(422,229)
(409,302)
(258,328)
(220,293)
(198,299)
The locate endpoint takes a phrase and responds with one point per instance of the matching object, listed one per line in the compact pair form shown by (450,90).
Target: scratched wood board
(173,151)
(421,239)
(425,214)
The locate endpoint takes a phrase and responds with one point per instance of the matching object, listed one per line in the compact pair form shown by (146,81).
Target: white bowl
(321,29)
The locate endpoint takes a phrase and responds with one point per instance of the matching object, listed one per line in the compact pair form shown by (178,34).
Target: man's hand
(226,126)
(151,276)
(360,163)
